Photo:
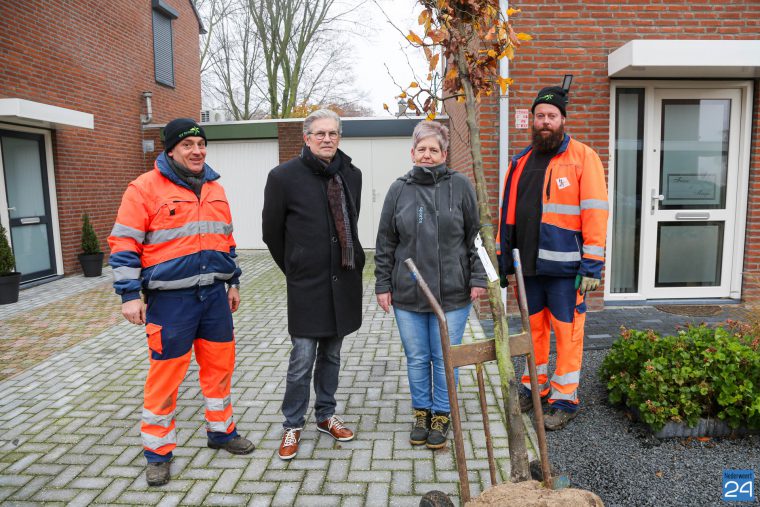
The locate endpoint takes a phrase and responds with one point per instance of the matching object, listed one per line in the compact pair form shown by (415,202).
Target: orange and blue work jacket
(573,228)
(167,238)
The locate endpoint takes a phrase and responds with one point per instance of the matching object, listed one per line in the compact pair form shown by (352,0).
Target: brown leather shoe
(289,444)
(335,428)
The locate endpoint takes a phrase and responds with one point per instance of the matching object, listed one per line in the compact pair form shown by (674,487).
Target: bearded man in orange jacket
(173,240)
(554,210)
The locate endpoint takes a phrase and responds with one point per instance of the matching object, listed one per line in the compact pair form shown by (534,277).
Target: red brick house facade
(72,82)
(667,93)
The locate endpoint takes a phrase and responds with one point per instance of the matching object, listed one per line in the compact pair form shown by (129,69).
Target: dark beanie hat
(178,129)
(554,95)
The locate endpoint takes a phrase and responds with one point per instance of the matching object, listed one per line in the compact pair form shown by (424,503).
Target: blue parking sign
(738,486)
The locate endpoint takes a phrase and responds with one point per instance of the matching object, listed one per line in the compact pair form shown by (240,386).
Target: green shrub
(90,243)
(7,260)
(701,372)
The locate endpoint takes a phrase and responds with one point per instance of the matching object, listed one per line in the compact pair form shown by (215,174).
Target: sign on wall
(521,118)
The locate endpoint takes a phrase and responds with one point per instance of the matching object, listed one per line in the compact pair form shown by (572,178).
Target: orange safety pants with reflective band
(554,303)
(178,322)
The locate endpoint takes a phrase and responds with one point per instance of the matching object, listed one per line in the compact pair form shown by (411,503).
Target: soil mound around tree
(533,494)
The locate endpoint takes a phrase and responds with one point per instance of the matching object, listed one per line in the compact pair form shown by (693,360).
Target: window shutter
(163,50)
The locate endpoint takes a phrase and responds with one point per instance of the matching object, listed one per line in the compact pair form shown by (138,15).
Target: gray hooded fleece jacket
(431,215)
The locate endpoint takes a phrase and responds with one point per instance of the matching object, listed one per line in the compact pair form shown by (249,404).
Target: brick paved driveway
(69,426)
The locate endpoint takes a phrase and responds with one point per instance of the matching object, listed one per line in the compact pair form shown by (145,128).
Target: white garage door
(381,161)
(244,166)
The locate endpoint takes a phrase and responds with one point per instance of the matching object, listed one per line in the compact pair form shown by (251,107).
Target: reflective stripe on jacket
(573,228)
(166,238)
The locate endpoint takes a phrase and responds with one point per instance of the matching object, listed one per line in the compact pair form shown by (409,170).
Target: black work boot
(237,445)
(157,474)
(420,427)
(439,428)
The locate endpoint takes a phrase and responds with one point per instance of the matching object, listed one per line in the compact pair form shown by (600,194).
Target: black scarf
(194,180)
(336,198)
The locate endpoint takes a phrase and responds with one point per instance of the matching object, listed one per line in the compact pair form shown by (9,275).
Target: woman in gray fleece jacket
(430,215)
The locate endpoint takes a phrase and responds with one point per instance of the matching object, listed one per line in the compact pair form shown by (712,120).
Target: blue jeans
(421,338)
(326,352)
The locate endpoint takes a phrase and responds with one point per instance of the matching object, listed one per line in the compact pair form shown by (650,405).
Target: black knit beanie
(178,129)
(554,95)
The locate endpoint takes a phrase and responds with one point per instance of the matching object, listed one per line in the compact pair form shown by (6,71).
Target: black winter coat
(323,298)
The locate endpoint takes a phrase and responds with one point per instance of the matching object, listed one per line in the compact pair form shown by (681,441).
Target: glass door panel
(25,171)
(701,243)
(694,153)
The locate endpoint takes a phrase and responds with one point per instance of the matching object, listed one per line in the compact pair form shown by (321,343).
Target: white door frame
(743,137)
(53,196)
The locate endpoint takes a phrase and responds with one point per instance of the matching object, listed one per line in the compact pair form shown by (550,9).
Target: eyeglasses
(319,136)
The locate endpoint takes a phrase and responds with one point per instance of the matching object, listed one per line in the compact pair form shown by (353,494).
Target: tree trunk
(518,453)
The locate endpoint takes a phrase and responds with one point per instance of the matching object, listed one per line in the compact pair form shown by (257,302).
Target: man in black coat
(311,210)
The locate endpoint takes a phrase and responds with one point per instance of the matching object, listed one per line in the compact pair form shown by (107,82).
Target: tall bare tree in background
(276,58)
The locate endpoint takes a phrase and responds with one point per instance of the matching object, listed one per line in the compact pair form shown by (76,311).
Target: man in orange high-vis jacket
(554,210)
(173,240)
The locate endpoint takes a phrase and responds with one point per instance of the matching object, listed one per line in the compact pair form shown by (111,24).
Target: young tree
(472,36)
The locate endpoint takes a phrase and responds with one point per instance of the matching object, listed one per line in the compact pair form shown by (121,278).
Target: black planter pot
(92,264)
(9,288)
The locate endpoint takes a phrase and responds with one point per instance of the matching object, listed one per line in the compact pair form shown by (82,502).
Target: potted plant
(91,257)
(9,278)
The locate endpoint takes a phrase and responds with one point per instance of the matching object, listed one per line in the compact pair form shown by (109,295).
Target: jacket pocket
(153,331)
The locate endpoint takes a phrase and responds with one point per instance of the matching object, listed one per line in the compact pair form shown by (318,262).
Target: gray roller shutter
(163,49)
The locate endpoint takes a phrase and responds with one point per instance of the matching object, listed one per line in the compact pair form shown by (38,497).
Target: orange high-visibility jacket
(166,238)
(573,228)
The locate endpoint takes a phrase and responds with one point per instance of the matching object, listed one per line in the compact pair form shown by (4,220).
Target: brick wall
(289,139)
(575,37)
(96,57)
(751,272)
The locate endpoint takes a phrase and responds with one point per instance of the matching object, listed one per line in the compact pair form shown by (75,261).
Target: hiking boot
(439,428)
(335,428)
(557,418)
(421,426)
(289,444)
(237,445)
(157,474)
(526,399)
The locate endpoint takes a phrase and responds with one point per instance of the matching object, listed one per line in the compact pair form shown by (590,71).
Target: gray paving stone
(225,499)
(16,480)
(344,488)
(113,491)
(170,500)
(90,483)
(140,497)
(320,500)
(83,499)
(260,501)
(198,493)
(227,481)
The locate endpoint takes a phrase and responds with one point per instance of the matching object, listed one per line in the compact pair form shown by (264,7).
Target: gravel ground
(601,450)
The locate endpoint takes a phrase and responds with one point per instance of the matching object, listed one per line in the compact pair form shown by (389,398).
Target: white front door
(689,193)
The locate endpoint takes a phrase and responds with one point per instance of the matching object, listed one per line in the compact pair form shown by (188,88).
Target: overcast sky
(384,45)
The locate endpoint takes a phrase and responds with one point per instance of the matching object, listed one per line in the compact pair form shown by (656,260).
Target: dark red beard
(547,144)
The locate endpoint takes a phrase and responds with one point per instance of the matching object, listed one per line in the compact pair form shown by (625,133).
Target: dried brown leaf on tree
(414,38)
